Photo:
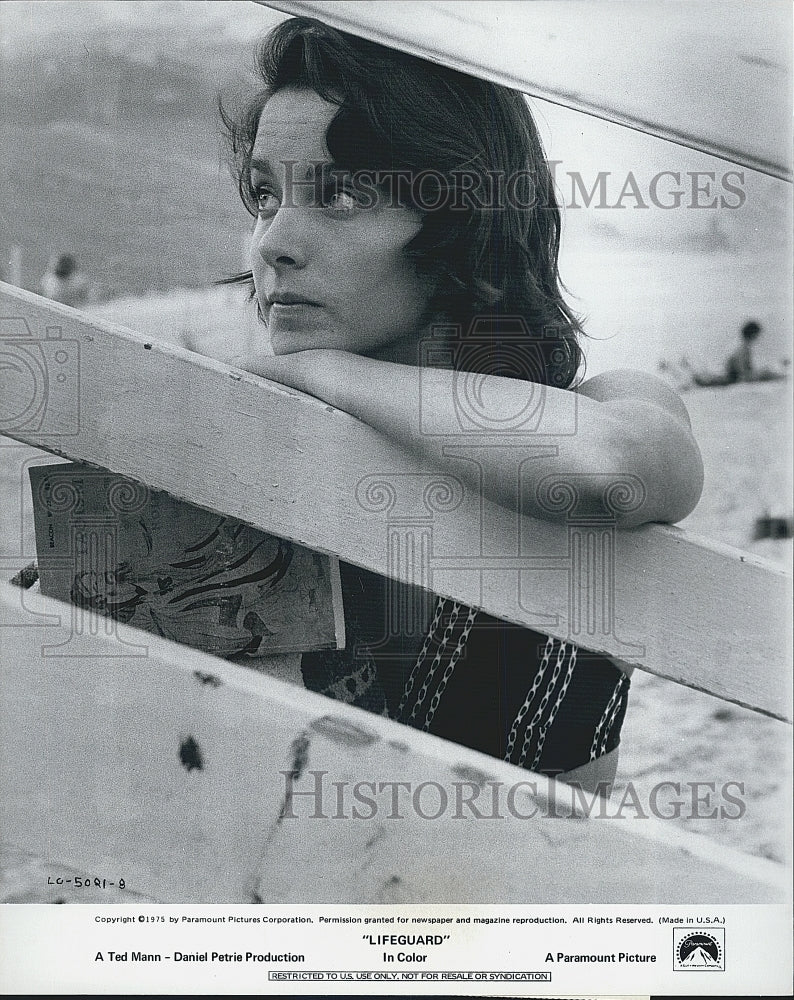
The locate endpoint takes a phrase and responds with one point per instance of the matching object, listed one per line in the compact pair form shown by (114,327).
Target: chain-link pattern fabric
(499,688)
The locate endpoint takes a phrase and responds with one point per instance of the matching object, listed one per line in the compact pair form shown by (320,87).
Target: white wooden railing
(699,613)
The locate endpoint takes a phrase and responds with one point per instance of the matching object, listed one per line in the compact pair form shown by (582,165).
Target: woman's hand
(617,427)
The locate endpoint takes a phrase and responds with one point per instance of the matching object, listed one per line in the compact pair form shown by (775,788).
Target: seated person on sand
(739,367)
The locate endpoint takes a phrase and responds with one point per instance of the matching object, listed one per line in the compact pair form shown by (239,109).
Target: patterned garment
(502,689)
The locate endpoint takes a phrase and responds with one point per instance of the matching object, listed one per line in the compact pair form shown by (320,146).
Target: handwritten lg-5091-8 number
(86,882)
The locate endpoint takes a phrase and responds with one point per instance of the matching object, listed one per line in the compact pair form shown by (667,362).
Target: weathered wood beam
(710,104)
(200,781)
(698,613)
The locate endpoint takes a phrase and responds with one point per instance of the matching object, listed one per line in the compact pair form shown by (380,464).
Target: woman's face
(329,269)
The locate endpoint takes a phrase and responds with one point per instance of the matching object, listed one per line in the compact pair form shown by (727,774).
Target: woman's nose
(284,240)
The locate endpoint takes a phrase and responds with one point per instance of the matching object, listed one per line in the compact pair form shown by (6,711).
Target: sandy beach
(676,734)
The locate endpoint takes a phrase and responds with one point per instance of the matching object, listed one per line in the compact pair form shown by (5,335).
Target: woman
(400,204)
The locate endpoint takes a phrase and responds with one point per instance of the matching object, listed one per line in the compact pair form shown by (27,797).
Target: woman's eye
(267,202)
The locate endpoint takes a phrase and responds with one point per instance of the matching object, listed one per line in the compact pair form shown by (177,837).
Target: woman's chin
(291,342)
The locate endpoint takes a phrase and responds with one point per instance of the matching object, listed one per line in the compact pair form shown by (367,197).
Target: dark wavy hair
(491,246)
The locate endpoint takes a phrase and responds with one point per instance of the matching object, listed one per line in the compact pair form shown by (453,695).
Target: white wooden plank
(700,614)
(91,777)
(695,74)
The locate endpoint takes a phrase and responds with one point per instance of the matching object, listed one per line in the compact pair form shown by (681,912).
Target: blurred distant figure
(64,282)
(739,367)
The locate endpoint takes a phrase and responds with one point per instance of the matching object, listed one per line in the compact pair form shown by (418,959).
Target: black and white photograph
(396,501)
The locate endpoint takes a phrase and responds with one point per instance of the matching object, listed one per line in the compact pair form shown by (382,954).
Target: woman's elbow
(684,490)
(669,483)
(627,477)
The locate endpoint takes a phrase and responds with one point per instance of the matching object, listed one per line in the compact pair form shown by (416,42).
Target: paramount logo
(696,950)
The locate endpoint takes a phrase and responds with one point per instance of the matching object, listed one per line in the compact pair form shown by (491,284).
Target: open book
(141,556)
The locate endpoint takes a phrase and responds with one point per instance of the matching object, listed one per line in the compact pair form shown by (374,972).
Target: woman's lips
(285,298)
(291,313)
(286,304)
(296,316)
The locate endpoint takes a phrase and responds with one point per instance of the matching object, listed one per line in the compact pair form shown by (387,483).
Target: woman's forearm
(506,436)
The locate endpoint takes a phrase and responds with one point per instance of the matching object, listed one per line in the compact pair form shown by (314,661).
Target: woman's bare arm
(616,425)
